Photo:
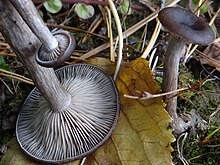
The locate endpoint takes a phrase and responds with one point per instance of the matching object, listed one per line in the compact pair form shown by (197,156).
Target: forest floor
(198,145)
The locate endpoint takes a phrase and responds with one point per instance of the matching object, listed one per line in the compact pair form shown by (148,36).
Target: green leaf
(53,6)
(1,60)
(84,11)
(3,65)
(125,8)
(40,13)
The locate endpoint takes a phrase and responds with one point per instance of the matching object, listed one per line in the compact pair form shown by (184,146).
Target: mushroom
(185,27)
(70,113)
(56,47)
(78,130)
(56,57)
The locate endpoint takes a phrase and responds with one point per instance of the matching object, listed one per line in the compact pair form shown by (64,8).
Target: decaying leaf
(141,136)
(212,55)
(14,156)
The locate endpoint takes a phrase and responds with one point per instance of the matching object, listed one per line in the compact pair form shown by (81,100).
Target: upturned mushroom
(185,27)
(56,47)
(78,129)
(70,113)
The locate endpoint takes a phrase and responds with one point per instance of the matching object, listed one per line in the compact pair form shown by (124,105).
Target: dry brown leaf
(211,55)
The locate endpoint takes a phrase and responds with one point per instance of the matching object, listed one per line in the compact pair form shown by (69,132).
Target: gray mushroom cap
(187,25)
(59,137)
(57,56)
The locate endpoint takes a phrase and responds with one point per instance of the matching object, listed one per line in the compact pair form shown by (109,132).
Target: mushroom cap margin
(187,25)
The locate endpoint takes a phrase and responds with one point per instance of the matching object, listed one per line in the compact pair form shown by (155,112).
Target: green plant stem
(199,156)
(211,134)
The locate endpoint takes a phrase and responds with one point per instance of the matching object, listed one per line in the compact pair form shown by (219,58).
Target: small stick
(152,40)
(147,95)
(17,78)
(14,74)
(110,35)
(200,6)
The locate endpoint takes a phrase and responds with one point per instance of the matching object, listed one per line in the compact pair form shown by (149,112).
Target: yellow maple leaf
(142,135)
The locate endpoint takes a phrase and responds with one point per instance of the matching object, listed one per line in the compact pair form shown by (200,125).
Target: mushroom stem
(170,79)
(25,44)
(189,28)
(32,18)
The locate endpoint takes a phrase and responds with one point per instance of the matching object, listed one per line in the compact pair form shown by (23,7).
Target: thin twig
(205,154)
(211,134)
(208,58)
(74,29)
(6,86)
(7,54)
(110,35)
(92,28)
(147,95)
(14,74)
(200,6)
(152,40)
(83,161)
(17,78)
(143,39)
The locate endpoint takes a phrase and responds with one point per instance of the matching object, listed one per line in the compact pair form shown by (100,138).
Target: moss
(5,137)
(204,97)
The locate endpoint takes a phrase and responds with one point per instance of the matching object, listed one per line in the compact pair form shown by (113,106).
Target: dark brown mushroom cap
(78,130)
(187,25)
(55,58)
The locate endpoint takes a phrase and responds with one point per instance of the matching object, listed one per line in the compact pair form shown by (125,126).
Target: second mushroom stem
(170,81)
(30,15)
